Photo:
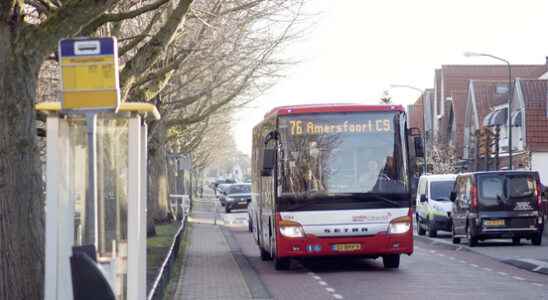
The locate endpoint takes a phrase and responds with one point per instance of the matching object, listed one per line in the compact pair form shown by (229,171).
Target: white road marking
(451,258)
(473,265)
(538,284)
(337,296)
(518,278)
(462,261)
(502,273)
(459,248)
(331,290)
(537,268)
(441,254)
(487,269)
(322,282)
(317,277)
(432,251)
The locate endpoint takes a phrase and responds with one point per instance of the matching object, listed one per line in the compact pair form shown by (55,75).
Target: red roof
(328,108)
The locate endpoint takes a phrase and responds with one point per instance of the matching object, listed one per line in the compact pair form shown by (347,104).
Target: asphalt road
(432,272)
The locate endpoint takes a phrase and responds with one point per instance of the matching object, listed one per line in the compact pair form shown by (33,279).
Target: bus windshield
(341,153)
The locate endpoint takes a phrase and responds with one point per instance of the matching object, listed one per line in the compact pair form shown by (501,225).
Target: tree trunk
(157,205)
(21,191)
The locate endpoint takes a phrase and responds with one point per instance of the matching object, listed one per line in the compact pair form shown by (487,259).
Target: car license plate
(243,202)
(494,222)
(347,247)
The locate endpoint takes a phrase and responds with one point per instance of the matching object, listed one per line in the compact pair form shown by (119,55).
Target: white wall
(539,162)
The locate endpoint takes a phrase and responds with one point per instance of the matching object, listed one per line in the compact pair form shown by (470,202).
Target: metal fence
(162,279)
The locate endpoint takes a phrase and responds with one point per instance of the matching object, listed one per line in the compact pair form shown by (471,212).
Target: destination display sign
(89,73)
(313,127)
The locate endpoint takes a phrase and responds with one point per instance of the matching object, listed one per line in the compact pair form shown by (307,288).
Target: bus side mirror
(268,162)
(453,196)
(419,147)
(423,198)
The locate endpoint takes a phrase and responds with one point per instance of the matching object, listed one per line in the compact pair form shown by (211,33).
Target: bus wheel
(264,254)
(281,263)
(391,261)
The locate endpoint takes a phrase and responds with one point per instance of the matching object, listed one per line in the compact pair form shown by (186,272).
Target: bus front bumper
(366,246)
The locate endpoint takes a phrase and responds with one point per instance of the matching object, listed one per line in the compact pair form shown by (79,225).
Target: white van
(434,204)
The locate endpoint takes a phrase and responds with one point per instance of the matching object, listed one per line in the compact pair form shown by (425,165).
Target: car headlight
(229,199)
(291,229)
(399,225)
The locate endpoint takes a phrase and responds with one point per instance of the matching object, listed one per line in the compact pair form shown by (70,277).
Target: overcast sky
(359,47)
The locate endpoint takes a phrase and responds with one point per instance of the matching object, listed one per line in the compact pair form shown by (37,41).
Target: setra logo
(372,218)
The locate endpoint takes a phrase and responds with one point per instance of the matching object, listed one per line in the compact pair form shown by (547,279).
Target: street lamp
(475,54)
(392,86)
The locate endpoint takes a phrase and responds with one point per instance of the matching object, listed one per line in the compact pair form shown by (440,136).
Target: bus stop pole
(91,192)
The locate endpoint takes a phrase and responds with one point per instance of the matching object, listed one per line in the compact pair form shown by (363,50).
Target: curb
(256,287)
(527,264)
(531,265)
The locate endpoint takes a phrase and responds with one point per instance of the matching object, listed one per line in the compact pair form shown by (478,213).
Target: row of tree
(197,60)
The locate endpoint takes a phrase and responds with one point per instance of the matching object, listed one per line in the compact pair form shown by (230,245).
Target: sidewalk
(214,266)
(210,271)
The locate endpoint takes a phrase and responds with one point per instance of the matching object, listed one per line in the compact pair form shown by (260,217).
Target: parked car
(215,184)
(434,204)
(502,204)
(221,192)
(236,196)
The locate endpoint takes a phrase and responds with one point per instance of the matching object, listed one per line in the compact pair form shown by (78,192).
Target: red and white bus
(333,180)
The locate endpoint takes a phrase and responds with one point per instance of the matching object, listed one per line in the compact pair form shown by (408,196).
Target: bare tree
(29,32)
(224,61)
(191,70)
(442,157)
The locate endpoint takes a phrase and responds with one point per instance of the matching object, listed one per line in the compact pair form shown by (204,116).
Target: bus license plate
(347,247)
(494,222)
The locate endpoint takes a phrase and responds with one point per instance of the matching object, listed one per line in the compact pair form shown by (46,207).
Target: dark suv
(501,204)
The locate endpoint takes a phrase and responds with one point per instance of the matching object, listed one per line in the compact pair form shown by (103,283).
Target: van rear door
(507,192)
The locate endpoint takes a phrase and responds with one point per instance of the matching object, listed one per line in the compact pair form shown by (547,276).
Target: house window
(501,88)
(499,117)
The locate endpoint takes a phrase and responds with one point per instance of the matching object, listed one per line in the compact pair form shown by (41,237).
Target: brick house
(415,113)
(451,92)
(445,110)
(487,106)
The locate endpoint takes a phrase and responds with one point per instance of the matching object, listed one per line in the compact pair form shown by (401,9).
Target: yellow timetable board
(89,72)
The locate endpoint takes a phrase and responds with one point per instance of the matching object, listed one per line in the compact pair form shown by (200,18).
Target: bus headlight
(399,225)
(291,229)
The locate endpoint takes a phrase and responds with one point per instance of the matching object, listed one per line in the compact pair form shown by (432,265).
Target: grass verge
(179,263)
(157,249)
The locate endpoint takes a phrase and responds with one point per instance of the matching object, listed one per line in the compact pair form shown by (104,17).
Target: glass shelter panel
(107,228)
(112,199)
(78,182)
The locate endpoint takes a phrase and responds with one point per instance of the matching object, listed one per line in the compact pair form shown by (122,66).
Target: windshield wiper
(385,200)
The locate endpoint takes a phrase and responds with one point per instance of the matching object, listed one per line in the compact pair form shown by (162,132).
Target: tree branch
(106,18)
(149,53)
